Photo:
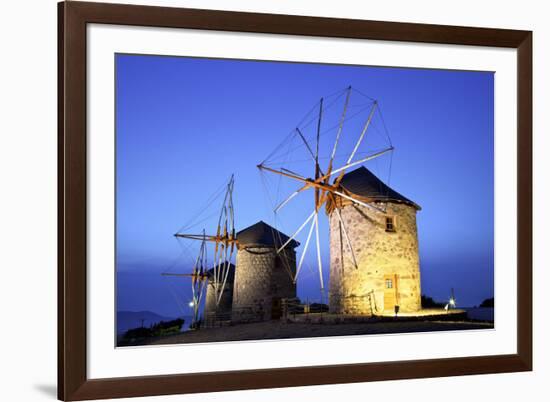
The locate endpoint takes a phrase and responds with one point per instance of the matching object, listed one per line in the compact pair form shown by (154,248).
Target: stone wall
(261,276)
(378,253)
(214,314)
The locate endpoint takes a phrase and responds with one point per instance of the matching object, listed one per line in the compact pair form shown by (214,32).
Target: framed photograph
(253,200)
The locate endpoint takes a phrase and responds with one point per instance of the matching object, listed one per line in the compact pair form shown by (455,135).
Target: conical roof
(230,274)
(364,183)
(262,234)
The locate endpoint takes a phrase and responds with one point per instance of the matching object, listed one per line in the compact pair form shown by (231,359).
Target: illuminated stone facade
(385,245)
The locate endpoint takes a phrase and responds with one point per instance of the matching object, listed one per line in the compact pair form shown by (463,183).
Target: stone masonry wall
(260,277)
(378,253)
(213,314)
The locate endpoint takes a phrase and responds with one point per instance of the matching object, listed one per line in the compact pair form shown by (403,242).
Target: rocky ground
(284,330)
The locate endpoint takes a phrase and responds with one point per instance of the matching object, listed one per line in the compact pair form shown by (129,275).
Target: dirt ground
(285,330)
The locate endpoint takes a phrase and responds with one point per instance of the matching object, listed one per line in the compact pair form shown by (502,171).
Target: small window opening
(389,284)
(390,223)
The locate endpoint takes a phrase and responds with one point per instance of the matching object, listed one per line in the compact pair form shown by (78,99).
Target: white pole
(347,237)
(305,250)
(368,158)
(358,202)
(363,132)
(282,204)
(320,265)
(296,233)
(342,119)
(227,268)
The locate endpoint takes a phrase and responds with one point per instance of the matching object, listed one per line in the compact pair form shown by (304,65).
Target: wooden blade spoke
(366,126)
(231,208)
(217,267)
(306,143)
(297,232)
(319,263)
(283,173)
(195,236)
(341,125)
(304,251)
(291,172)
(315,158)
(226,275)
(356,201)
(358,162)
(223,277)
(291,196)
(317,182)
(319,131)
(199,300)
(221,271)
(348,240)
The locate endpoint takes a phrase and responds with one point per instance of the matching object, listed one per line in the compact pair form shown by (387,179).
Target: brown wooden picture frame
(73,383)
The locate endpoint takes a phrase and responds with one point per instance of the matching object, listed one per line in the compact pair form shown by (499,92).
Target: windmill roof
(364,183)
(262,234)
(230,275)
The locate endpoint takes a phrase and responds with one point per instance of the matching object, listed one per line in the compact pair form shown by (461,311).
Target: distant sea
(480,313)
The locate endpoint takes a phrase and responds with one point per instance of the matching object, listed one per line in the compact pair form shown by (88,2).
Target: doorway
(390,292)
(276,308)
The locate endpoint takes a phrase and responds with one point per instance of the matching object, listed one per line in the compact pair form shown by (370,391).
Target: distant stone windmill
(224,243)
(198,276)
(266,264)
(218,306)
(254,287)
(373,239)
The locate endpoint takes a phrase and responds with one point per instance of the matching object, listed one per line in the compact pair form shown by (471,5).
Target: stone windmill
(217,309)
(220,276)
(198,277)
(373,239)
(266,266)
(384,247)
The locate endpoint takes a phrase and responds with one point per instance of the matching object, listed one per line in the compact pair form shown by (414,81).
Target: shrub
(488,302)
(161,328)
(428,302)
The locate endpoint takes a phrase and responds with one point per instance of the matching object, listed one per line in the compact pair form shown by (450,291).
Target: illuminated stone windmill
(384,245)
(373,238)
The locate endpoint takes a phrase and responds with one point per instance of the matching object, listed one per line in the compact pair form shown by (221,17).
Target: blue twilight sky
(184,125)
